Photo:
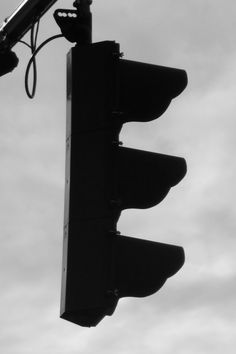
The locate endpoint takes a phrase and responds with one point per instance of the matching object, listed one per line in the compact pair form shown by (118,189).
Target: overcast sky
(195,312)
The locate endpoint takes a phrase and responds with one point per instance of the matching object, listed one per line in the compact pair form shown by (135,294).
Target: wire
(33,45)
(34,50)
(25,43)
(32,62)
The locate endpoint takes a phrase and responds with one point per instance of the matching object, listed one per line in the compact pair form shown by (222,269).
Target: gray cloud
(194,312)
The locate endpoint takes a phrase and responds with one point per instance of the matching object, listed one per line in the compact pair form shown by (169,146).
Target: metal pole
(85,20)
(17,25)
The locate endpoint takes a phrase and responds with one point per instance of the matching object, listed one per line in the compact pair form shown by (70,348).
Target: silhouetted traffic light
(103,178)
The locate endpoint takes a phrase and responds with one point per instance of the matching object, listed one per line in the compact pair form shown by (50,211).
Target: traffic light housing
(103,178)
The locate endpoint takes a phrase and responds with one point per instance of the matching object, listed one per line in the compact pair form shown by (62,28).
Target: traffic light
(103,178)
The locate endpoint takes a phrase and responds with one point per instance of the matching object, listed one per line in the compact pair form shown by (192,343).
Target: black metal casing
(103,178)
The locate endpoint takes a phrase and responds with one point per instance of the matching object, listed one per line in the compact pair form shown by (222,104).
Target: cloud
(194,311)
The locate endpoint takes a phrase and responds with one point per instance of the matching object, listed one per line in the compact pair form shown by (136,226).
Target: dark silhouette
(8,62)
(100,265)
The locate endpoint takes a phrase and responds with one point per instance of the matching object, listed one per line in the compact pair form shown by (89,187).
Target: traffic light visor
(142,267)
(146,90)
(144,178)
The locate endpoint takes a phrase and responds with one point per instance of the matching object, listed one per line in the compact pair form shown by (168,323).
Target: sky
(195,311)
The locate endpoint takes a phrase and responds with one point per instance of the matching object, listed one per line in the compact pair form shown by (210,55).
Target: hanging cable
(33,45)
(33,62)
(27,44)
